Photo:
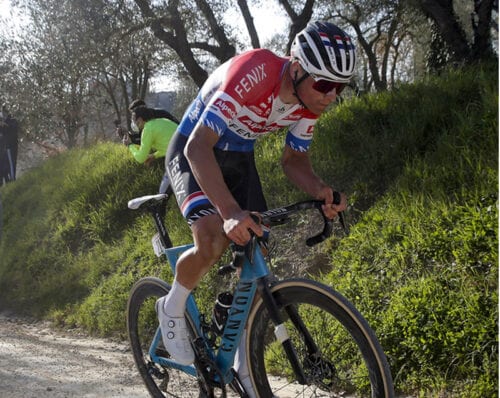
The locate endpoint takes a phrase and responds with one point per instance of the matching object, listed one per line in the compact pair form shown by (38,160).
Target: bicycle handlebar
(279,216)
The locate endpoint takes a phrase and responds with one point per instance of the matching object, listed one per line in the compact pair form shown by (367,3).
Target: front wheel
(338,352)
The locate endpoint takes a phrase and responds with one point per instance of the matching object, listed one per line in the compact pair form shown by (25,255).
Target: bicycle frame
(253,277)
(242,302)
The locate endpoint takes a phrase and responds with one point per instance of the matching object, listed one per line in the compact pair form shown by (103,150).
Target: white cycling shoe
(175,335)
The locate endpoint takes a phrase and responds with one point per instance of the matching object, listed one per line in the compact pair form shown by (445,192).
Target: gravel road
(37,361)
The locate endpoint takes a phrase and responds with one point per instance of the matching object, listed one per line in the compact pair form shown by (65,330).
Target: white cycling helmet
(325,52)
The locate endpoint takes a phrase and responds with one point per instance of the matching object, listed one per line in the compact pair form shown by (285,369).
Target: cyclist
(155,136)
(210,159)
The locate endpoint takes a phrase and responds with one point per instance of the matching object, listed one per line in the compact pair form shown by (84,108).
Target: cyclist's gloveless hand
(149,160)
(237,228)
(330,209)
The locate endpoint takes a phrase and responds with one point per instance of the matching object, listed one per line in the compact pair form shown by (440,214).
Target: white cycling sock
(175,303)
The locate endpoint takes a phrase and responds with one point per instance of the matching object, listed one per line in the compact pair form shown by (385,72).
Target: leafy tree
(192,29)
(77,64)
(384,32)
(51,72)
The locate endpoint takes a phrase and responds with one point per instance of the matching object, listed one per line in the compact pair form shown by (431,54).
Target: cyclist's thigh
(193,203)
(242,179)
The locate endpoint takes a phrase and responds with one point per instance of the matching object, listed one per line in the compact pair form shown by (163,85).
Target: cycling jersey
(240,102)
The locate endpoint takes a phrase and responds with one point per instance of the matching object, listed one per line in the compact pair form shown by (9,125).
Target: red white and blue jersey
(240,102)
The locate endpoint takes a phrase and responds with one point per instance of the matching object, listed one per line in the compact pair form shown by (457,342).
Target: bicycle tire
(142,324)
(351,361)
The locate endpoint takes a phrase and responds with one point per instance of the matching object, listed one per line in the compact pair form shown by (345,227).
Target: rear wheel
(338,352)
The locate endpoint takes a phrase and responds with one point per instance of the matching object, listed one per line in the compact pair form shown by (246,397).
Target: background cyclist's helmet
(325,51)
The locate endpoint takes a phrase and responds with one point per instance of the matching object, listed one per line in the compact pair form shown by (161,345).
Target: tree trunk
(245,11)
(441,11)
(177,39)
(481,24)
(299,21)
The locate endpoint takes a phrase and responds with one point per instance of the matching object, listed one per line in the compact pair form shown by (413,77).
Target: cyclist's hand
(331,209)
(238,227)
(149,160)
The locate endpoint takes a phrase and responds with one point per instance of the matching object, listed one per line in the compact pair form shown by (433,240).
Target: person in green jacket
(155,136)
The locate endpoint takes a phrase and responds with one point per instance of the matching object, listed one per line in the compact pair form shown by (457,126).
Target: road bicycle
(304,339)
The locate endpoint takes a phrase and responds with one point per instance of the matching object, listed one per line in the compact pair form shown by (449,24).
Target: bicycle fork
(280,330)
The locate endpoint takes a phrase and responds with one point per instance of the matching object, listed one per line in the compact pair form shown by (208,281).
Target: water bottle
(220,312)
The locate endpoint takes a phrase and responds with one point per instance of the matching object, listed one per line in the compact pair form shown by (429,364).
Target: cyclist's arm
(140,153)
(199,152)
(298,169)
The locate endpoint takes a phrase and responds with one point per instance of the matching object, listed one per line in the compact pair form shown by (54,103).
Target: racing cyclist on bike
(210,159)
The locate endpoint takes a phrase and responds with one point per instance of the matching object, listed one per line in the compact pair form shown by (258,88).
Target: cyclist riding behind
(210,159)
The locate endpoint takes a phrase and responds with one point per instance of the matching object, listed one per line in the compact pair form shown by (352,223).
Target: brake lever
(328,224)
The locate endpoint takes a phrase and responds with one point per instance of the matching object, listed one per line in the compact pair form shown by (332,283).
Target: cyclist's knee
(209,239)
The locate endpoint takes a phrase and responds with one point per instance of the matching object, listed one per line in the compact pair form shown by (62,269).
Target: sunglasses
(325,86)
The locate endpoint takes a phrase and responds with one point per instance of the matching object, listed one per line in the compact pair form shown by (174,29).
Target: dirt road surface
(36,361)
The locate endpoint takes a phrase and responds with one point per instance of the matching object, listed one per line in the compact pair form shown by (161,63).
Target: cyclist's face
(315,101)
(138,121)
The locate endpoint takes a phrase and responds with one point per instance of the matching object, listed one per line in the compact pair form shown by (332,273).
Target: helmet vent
(308,52)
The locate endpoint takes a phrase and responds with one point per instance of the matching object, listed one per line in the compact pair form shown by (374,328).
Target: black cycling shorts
(238,170)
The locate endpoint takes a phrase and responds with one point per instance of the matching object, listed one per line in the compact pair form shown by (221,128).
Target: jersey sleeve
(300,134)
(140,153)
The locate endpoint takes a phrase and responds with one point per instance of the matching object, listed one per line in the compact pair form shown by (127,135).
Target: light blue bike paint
(238,315)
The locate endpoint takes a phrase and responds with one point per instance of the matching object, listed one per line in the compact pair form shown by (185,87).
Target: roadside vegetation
(420,166)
